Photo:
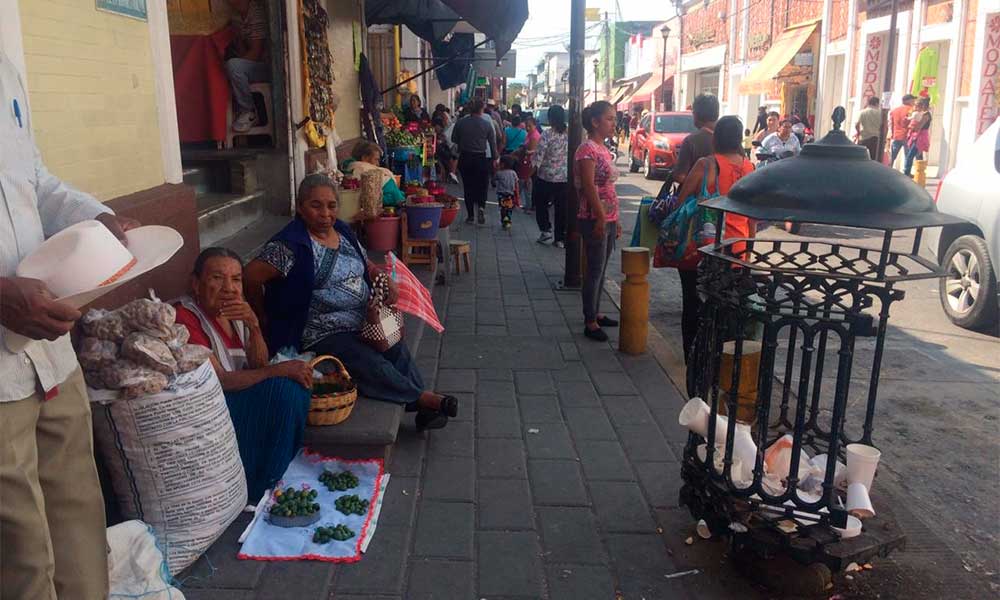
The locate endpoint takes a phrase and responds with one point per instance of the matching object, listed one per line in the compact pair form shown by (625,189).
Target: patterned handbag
(383,328)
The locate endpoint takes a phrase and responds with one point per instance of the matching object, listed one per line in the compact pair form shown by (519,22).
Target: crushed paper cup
(839,472)
(859,503)
(853,528)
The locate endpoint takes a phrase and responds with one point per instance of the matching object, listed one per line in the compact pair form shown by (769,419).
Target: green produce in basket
(345,480)
(351,505)
(294,503)
(323,535)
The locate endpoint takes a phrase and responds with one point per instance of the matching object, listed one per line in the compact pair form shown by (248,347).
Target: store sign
(989,77)
(874,65)
(129,8)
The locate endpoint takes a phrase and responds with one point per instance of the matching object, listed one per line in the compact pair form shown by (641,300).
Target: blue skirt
(269,418)
(390,376)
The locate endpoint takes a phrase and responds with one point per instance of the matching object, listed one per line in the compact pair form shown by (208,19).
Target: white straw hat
(85,261)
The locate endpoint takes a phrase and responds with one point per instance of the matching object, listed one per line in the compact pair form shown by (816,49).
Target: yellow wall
(92,96)
(342,15)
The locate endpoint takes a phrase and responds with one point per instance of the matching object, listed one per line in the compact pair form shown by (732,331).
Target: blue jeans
(391,376)
(524,186)
(912,153)
(897,145)
(269,419)
(242,73)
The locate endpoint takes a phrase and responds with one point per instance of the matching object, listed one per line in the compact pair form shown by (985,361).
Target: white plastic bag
(136,567)
(173,461)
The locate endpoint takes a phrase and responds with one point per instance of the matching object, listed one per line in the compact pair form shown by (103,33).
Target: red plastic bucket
(448,216)
(382,234)
(423,220)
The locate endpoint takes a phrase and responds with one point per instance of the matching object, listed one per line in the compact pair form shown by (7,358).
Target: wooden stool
(418,252)
(462,251)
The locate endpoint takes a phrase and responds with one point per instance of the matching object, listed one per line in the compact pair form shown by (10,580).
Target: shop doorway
(938,143)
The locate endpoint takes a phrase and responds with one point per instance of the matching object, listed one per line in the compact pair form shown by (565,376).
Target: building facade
(806,57)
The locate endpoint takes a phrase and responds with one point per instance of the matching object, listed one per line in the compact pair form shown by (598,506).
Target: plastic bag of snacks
(150,352)
(95,354)
(149,316)
(179,338)
(104,325)
(190,356)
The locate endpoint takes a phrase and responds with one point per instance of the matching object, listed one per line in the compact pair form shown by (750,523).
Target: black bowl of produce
(294,508)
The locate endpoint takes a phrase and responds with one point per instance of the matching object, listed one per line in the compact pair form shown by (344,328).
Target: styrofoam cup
(859,503)
(862,460)
(745,451)
(853,528)
(695,415)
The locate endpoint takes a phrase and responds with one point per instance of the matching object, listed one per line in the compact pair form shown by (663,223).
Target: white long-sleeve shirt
(34,204)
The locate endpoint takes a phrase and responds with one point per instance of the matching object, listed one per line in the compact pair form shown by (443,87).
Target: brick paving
(558,480)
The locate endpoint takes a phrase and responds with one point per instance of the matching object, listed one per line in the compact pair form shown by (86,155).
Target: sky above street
(547,27)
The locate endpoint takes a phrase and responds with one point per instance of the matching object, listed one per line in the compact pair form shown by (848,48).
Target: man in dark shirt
(477,149)
(761,123)
(698,144)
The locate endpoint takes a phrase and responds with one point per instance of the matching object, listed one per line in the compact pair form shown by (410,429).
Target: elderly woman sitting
(367,156)
(312,283)
(268,403)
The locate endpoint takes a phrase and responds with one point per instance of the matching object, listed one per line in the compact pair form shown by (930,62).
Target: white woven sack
(174,462)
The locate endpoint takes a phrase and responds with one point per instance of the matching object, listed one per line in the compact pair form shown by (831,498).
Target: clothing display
(925,75)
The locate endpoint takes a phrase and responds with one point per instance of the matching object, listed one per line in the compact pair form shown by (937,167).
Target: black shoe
(482,219)
(595,334)
(430,420)
(607,322)
(470,220)
(449,406)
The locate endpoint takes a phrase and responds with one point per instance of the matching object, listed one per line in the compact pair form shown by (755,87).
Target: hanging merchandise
(319,100)
(925,75)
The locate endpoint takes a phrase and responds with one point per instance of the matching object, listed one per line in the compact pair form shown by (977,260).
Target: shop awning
(648,90)
(628,88)
(760,79)
(432,20)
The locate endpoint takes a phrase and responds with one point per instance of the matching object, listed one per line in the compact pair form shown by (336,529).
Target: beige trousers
(52,527)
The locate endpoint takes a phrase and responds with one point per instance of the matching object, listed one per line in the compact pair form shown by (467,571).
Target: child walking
(506,179)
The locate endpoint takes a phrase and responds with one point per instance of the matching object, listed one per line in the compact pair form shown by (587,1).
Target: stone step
(221,216)
(248,241)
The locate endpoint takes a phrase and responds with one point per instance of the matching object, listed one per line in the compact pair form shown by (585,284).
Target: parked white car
(970,252)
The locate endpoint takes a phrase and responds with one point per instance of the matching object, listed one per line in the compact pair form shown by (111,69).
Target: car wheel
(633,165)
(647,169)
(969,290)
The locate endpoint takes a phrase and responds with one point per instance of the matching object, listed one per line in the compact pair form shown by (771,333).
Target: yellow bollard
(635,301)
(920,177)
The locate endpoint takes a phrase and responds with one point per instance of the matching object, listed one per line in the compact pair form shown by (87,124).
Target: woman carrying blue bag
(687,226)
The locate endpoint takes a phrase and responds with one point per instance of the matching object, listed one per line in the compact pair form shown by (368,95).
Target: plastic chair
(261,93)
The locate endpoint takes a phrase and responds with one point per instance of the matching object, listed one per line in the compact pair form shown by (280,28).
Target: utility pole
(890,70)
(571,274)
(678,76)
(607,58)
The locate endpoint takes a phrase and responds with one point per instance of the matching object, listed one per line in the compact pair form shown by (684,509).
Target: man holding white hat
(52,526)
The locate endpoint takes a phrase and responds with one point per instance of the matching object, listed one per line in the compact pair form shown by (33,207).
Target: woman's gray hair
(311,182)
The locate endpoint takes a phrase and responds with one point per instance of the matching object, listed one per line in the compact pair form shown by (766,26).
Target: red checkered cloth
(414,298)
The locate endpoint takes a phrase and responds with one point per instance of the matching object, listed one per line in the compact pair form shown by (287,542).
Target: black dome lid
(833,182)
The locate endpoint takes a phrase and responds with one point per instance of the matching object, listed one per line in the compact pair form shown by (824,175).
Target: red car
(654,149)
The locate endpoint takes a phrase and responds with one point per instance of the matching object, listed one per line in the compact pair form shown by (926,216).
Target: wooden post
(634,301)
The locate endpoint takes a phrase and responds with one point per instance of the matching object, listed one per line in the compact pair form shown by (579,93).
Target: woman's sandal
(449,406)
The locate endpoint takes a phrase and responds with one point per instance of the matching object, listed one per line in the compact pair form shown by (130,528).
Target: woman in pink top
(594,176)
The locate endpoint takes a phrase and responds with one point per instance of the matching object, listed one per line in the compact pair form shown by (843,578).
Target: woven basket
(331,409)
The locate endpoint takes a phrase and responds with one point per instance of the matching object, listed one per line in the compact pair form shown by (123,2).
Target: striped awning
(760,79)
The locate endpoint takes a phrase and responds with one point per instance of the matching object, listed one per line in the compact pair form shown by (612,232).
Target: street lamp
(665,32)
(596,62)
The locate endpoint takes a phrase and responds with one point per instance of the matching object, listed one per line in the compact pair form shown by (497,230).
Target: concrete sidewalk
(558,480)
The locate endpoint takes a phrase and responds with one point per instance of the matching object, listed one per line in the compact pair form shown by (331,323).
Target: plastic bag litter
(150,316)
(190,356)
(95,353)
(104,325)
(148,351)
